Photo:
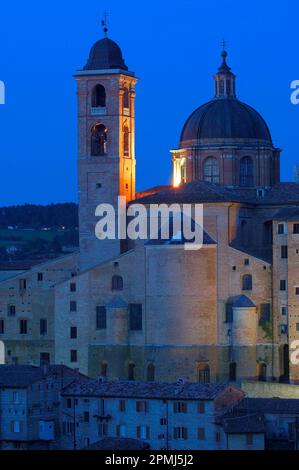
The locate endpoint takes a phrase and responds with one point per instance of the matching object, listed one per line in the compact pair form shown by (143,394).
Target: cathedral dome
(105,54)
(224,120)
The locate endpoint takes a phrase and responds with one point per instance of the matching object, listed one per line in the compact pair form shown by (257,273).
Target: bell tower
(106,143)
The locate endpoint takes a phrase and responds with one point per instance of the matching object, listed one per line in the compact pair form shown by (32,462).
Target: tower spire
(104,23)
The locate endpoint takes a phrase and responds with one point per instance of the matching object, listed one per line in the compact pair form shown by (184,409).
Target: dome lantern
(225,80)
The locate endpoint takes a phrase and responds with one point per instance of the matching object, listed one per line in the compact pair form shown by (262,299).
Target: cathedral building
(150,310)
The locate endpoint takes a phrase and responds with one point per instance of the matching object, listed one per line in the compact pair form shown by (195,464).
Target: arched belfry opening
(98,140)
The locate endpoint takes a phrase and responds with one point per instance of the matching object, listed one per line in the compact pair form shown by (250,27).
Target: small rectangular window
(73,287)
(11,310)
(101,318)
(284,310)
(180,433)
(74,355)
(217,436)
(73,306)
(23,327)
(246,262)
(103,429)
(283,329)
(284,251)
(135,317)
(73,332)
(265,313)
(283,284)
(281,229)
(122,406)
(201,407)
(43,326)
(40,277)
(44,358)
(2,327)
(86,417)
(297,326)
(23,284)
(180,407)
(297,291)
(141,406)
(201,434)
(296,228)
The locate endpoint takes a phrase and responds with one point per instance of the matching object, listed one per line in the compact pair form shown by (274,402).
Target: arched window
(247,282)
(233,371)
(126,99)
(117,283)
(98,140)
(98,97)
(151,373)
(211,170)
(126,141)
(262,372)
(131,371)
(203,373)
(246,171)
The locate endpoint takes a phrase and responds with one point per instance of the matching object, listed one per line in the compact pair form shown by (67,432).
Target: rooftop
(204,192)
(244,424)
(20,376)
(155,390)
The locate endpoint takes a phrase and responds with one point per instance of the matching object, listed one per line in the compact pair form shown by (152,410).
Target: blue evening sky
(174,48)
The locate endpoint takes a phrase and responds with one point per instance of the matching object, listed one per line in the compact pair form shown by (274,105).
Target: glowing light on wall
(179,172)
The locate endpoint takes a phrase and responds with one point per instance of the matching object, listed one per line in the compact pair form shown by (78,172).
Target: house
(180,416)
(30,404)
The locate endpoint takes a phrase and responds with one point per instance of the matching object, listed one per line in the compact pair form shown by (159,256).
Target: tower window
(117,283)
(126,141)
(2,326)
(98,140)
(247,282)
(211,170)
(283,285)
(73,332)
(246,171)
(98,97)
(284,251)
(126,99)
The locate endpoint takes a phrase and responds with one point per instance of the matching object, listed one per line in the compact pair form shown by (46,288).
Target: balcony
(98,111)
